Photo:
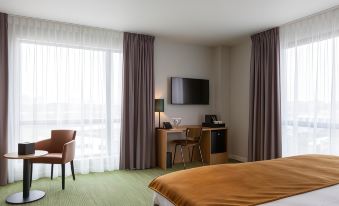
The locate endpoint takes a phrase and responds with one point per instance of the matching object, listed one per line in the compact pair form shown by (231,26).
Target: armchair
(61,150)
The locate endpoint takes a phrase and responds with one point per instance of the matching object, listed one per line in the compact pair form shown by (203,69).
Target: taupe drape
(3,96)
(264,124)
(137,140)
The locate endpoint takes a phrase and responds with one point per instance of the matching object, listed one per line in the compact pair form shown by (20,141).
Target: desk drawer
(218,141)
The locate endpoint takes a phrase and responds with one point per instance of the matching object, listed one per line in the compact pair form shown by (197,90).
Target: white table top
(15,155)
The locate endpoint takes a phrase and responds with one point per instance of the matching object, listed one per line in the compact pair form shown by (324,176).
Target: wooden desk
(208,141)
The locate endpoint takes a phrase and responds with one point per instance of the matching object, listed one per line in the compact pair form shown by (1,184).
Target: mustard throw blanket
(248,183)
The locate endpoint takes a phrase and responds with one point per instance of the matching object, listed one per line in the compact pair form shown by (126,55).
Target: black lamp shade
(159,105)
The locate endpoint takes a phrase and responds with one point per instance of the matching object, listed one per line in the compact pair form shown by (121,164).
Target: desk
(26,195)
(210,145)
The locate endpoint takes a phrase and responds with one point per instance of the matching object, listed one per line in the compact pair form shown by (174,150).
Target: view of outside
(310,98)
(66,87)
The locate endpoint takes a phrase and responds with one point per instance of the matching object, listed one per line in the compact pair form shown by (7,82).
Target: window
(309,86)
(65,87)
(65,77)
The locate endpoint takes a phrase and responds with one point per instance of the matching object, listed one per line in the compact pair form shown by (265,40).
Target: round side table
(26,195)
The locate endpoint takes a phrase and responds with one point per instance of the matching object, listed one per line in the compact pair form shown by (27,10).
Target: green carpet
(122,187)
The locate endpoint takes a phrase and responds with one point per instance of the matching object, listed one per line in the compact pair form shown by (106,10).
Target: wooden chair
(193,138)
(61,150)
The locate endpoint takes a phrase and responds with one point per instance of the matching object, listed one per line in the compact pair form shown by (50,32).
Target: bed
(301,180)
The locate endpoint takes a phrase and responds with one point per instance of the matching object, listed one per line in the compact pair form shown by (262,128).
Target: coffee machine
(212,121)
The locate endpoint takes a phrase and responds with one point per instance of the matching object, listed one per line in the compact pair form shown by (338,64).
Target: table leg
(26,195)
(27,178)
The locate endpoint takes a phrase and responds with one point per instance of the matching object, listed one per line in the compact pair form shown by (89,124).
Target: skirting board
(237,157)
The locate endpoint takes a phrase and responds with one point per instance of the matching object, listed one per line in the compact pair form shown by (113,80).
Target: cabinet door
(218,141)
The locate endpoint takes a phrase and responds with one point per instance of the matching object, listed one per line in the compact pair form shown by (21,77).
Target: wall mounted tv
(189,91)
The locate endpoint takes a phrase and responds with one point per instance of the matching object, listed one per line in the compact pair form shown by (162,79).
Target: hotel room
(169,103)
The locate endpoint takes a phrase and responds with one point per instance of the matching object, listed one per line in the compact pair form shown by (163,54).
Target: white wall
(175,59)
(240,56)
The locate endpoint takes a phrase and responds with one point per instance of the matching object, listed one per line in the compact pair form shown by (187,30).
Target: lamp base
(159,126)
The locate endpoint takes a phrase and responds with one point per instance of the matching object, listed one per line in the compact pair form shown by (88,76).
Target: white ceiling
(206,22)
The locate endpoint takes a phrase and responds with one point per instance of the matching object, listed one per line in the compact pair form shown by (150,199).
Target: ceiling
(205,22)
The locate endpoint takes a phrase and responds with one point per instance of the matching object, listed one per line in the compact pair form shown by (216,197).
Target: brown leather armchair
(61,150)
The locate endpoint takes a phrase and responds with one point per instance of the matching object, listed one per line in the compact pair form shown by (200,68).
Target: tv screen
(189,91)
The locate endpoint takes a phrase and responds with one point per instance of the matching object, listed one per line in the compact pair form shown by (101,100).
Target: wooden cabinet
(213,146)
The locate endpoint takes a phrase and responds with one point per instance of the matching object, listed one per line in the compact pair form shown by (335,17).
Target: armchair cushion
(66,156)
(50,158)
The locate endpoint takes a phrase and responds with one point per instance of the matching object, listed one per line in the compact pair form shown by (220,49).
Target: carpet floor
(122,187)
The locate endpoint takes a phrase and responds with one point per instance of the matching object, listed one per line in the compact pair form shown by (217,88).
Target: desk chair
(61,150)
(193,138)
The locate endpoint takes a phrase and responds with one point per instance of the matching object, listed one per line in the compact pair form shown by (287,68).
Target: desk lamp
(159,107)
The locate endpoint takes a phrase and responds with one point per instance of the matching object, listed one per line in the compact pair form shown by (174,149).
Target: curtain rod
(61,22)
(311,15)
(300,19)
(74,24)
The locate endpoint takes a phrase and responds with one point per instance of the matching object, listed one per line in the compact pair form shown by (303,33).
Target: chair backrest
(59,138)
(194,134)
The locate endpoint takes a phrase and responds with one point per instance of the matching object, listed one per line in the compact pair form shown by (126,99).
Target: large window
(61,83)
(65,87)
(310,86)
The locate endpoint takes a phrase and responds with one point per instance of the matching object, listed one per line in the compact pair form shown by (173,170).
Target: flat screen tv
(189,91)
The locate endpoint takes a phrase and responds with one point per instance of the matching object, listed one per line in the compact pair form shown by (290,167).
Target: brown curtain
(265,123)
(137,140)
(3,96)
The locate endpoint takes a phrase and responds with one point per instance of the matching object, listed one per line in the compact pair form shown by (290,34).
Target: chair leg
(182,157)
(175,152)
(192,154)
(30,182)
(202,160)
(72,168)
(63,175)
(52,168)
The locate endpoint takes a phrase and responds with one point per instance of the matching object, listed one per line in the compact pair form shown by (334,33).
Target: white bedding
(328,196)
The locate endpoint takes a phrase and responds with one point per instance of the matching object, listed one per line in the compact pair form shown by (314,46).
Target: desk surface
(184,127)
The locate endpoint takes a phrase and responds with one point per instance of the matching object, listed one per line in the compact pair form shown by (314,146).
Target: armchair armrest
(43,144)
(68,151)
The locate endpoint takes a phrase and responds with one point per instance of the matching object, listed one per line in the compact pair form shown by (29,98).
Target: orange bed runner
(248,183)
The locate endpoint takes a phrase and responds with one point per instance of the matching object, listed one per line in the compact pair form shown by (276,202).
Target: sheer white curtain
(65,76)
(310,85)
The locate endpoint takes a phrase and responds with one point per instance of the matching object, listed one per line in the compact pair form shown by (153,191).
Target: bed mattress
(328,196)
